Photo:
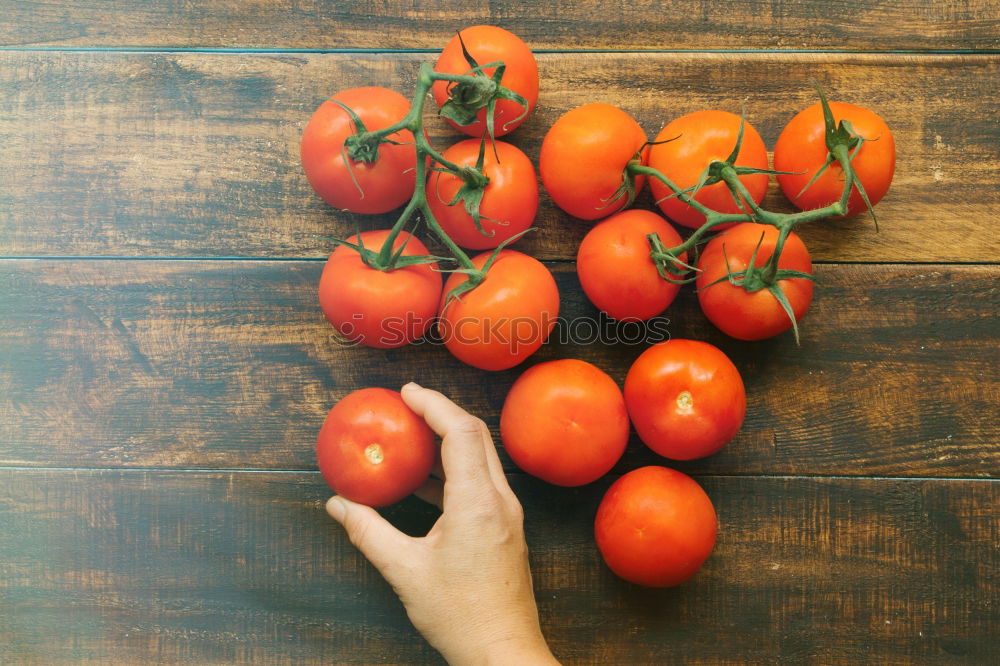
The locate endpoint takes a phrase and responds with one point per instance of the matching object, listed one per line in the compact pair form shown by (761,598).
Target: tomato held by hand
(655,527)
(355,185)
(486,44)
(752,315)
(690,144)
(383,309)
(506,318)
(685,398)
(616,271)
(565,422)
(373,449)
(509,202)
(801,149)
(583,159)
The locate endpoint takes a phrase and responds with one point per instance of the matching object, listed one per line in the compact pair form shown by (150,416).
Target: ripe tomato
(506,318)
(377,308)
(583,158)
(565,422)
(701,137)
(655,527)
(385,184)
(616,271)
(801,148)
(486,44)
(509,202)
(373,449)
(752,315)
(685,398)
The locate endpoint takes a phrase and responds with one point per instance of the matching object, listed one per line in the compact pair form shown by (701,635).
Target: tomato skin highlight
(506,318)
(583,157)
(616,271)
(488,43)
(385,184)
(686,399)
(655,527)
(377,308)
(349,460)
(752,315)
(697,139)
(801,148)
(565,422)
(509,202)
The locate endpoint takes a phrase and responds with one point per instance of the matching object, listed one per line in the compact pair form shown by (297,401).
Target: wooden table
(164,366)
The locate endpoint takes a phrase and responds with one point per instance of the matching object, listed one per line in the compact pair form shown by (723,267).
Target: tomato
(752,315)
(616,271)
(655,527)
(373,449)
(685,398)
(509,202)
(377,308)
(697,139)
(801,148)
(506,318)
(565,422)
(383,185)
(583,158)
(486,44)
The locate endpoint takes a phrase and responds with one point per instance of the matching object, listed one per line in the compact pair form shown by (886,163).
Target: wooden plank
(231,365)
(681,24)
(212,568)
(197,154)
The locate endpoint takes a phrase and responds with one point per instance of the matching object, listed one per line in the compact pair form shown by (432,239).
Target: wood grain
(139,154)
(561,24)
(230,364)
(211,568)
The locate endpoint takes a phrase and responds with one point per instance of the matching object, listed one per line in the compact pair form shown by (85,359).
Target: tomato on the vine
(373,449)
(356,185)
(801,149)
(685,398)
(616,271)
(583,160)
(486,44)
(655,527)
(382,309)
(752,315)
(506,318)
(565,422)
(509,202)
(689,144)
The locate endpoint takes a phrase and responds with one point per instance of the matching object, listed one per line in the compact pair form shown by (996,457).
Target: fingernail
(411,386)
(337,509)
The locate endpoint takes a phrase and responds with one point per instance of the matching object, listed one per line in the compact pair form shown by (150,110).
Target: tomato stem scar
(685,400)
(374,454)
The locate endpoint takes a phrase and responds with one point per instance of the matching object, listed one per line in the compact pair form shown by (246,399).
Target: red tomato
(565,422)
(377,308)
(616,271)
(509,201)
(486,44)
(702,137)
(506,318)
(752,315)
(385,184)
(655,527)
(801,148)
(373,449)
(583,158)
(685,398)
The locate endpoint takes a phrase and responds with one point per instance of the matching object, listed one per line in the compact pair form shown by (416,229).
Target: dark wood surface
(164,366)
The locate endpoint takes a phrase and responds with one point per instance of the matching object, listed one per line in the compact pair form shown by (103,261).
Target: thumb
(372,534)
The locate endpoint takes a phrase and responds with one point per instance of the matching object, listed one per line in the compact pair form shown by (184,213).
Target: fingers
(372,534)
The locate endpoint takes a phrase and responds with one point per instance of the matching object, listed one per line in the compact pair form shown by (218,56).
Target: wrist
(523,650)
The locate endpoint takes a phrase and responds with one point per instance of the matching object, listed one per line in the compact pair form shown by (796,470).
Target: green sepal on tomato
(373,449)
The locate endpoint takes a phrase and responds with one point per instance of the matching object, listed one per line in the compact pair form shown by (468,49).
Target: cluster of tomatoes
(566,421)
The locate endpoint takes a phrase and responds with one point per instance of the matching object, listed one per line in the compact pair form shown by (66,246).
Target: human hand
(466,585)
